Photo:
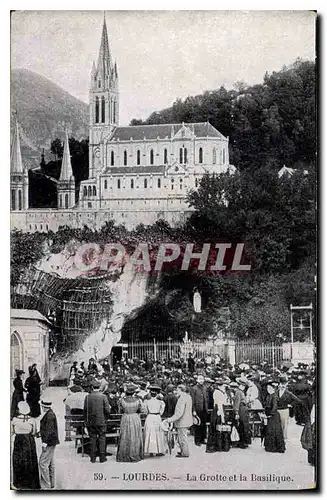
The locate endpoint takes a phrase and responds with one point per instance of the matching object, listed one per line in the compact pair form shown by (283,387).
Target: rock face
(44,110)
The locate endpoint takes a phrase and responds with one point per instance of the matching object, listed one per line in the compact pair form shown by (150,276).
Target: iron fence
(256,352)
(172,349)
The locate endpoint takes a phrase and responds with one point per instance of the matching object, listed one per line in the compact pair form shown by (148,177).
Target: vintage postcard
(163,250)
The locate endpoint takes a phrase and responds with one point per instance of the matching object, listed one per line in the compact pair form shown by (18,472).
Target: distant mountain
(44,110)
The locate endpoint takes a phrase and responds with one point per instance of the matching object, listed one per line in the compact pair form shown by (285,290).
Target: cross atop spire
(66,172)
(16,163)
(104,59)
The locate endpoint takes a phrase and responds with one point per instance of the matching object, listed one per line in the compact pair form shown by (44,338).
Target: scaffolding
(76,306)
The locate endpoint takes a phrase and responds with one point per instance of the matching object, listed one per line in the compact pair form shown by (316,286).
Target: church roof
(163,131)
(152,169)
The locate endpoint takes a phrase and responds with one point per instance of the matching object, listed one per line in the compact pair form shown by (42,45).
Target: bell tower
(104,103)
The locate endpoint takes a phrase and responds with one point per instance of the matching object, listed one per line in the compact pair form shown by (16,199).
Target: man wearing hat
(96,411)
(182,419)
(200,408)
(50,439)
(285,399)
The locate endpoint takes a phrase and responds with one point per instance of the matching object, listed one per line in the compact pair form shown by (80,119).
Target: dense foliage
(271,122)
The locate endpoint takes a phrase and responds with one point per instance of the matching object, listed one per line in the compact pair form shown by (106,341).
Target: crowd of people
(207,397)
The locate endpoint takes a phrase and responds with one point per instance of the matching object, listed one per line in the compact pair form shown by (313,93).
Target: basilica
(137,174)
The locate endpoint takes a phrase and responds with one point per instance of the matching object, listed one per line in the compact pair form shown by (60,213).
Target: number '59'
(98,476)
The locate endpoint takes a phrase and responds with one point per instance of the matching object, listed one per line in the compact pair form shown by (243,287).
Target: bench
(77,424)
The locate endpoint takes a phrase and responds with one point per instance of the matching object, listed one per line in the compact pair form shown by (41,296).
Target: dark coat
(199,398)
(96,409)
(287,398)
(170,403)
(49,429)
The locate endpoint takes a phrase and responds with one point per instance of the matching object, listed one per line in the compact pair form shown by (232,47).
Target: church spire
(16,163)
(66,172)
(104,59)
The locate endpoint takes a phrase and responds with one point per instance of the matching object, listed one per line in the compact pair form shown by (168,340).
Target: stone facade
(29,342)
(137,174)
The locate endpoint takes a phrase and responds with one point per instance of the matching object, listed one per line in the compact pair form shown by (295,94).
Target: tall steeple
(66,172)
(16,163)
(104,103)
(66,183)
(104,59)
(18,175)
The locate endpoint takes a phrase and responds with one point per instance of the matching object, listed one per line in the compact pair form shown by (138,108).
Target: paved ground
(237,469)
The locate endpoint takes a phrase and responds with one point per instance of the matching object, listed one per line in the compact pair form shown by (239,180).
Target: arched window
(180,183)
(112,158)
(125,157)
(172,183)
(196,183)
(159,183)
(89,191)
(94,191)
(85,191)
(165,156)
(13,200)
(151,157)
(97,109)
(106,184)
(214,156)
(200,155)
(66,200)
(145,183)
(118,183)
(138,157)
(132,183)
(185,155)
(114,117)
(103,109)
(20,204)
(16,352)
(180,155)
(99,84)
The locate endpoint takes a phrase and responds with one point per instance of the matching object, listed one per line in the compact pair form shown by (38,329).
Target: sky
(161,55)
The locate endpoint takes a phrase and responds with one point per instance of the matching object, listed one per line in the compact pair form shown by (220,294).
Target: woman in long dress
(218,439)
(18,394)
(33,386)
(130,444)
(25,471)
(274,439)
(154,438)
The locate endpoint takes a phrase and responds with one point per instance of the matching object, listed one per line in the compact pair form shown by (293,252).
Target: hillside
(44,110)
(272,123)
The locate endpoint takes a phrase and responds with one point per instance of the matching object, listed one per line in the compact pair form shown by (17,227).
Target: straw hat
(23,408)
(196,420)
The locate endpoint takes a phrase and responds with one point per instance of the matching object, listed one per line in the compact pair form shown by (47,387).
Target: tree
(57,149)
